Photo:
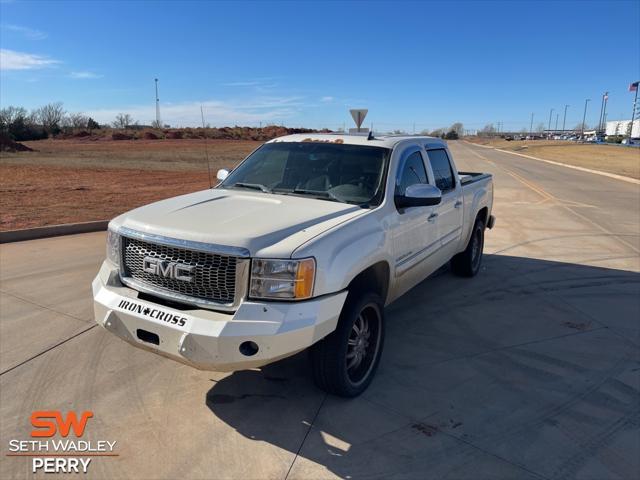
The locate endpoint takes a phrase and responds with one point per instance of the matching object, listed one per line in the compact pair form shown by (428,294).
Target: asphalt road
(530,370)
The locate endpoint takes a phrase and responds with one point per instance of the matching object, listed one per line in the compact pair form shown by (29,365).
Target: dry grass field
(607,158)
(65,181)
(77,180)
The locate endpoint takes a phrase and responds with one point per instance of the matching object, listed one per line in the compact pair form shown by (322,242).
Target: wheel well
(375,278)
(484,215)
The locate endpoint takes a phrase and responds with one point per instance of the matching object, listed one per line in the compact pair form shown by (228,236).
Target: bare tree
(50,116)
(11,115)
(78,120)
(156,124)
(438,132)
(488,130)
(581,126)
(458,128)
(123,120)
(540,128)
(34,117)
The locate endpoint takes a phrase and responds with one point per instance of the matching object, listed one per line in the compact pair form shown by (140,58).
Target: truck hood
(267,225)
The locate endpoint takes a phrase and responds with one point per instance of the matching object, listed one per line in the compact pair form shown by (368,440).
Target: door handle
(458,204)
(432,217)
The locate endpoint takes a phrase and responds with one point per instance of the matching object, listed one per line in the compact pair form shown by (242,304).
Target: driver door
(415,234)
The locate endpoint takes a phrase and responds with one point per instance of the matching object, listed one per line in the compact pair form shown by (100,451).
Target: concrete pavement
(530,370)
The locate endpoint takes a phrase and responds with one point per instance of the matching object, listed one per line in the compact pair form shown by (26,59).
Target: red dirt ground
(40,196)
(65,181)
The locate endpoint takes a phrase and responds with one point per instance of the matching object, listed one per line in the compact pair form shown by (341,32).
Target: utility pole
(584,116)
(550,114)
(531,126)
(564,119)
(158,124)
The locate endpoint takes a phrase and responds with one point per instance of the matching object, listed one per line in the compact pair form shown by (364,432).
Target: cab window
(441,166)
(413,172)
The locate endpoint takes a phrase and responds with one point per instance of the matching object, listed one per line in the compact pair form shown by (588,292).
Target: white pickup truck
(301,245)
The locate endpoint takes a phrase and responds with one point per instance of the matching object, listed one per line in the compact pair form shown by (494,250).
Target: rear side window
(412,172)
(442,172)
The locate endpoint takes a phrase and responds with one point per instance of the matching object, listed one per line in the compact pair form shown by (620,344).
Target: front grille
(214,276)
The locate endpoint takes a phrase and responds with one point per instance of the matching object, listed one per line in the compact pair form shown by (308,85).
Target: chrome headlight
(113,247)
(288,279)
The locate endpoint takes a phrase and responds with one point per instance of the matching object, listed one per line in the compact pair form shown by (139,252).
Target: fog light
(248,349)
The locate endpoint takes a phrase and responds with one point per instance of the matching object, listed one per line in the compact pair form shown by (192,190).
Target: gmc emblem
(167,269)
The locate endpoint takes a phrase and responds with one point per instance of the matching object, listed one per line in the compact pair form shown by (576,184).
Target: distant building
(590,133)
(619,127)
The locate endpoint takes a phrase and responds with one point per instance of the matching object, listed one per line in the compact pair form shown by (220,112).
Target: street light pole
(531,126)
(604,114)
(158,123)
(550,114)
(564,119)
(600,116)
(555,130)
(584,116)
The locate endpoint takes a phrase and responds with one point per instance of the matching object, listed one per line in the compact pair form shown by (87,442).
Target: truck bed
(471,177)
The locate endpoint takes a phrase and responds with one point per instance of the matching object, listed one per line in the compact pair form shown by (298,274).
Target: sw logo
(62,454)
(47,423)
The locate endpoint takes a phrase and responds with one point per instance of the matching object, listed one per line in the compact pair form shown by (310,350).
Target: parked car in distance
(301,245)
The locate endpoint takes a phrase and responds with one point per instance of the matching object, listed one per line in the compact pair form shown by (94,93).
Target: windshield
(329,171)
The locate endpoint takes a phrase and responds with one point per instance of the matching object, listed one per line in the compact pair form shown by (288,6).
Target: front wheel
(467,263)
(345,361)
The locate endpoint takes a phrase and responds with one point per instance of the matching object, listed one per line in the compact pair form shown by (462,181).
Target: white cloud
(30,33)
(242,84)
(258,84)
(216,112)
(84,75)
(12,60)
(327,99)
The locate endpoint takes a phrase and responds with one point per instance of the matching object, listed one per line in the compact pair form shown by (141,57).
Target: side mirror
(419,195)
(222,174)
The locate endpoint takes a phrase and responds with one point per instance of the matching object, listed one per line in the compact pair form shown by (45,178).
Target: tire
(467,263)
(331,356)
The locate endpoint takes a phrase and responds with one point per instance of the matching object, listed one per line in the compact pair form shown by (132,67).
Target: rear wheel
(467,263)
(345,361)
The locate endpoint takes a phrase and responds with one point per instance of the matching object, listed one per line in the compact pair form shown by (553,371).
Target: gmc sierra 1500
(301,245)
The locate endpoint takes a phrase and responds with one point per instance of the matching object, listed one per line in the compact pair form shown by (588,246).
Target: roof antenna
(206,148)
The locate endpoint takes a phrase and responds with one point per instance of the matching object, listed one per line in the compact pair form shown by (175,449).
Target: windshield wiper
(253,186)
(323,194)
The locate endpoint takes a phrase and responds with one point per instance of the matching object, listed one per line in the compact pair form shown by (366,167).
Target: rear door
(449,224)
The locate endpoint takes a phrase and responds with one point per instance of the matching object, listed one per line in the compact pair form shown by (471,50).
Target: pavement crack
(313,421)
(48,349)
(44,307)
(494,455)
(508,347)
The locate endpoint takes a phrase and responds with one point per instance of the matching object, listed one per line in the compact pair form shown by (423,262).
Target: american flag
(633,86)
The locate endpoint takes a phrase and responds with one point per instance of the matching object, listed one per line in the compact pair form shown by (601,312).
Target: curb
(52,231)
(478,145)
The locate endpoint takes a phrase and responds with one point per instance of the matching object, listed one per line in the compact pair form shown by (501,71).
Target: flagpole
(633,112)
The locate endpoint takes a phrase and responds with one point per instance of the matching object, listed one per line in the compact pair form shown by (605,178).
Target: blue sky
(306,64)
